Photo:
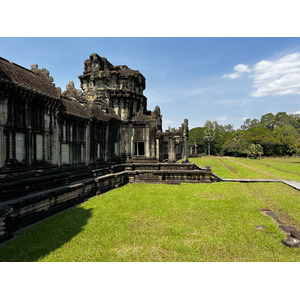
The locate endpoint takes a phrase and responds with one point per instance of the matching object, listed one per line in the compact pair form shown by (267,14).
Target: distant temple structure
(59,148)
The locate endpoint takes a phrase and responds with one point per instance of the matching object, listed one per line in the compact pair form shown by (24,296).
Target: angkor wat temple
(58,148)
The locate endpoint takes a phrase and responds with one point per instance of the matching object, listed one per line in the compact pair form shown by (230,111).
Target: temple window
(139,148)
(117,149)
(98,151)
(65,153)
(82,156)
(39,147)
(20,146)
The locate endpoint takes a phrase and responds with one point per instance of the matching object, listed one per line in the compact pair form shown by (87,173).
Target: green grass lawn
(148,222)
(266,168)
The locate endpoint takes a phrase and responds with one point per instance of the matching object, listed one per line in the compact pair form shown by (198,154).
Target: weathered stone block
(295,234)
(291,242)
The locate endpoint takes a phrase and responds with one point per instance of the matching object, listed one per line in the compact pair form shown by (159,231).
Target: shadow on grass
(34,243)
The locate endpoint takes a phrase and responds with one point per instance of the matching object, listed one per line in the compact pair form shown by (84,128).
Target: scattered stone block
(295,234)
(291,242)
(287,229)
(260,227)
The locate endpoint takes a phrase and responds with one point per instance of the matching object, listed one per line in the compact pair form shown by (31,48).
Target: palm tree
(209,136)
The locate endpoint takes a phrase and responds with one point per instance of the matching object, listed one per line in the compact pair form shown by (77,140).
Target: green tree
(220,134)
(196,135)
(235,144)
(249,124)
(281,119)
(263,136)
(289,138)
(255,150)
(209,136)
(268,121)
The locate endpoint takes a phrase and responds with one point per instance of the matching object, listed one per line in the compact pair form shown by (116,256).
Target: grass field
(187,222)
(266,168)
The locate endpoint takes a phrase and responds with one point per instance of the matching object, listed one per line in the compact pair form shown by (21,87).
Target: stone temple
(58,149)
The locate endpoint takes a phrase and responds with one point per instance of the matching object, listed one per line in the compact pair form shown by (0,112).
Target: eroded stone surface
(260,227)
(295,234)
(291,242)
(287,229)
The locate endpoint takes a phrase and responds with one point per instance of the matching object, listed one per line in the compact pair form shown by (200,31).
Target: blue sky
(218,79)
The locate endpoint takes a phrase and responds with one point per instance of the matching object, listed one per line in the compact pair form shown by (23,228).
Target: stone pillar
(122,111)
(157,149)
(147,142)
(107,145)
(116,107)
(2,148)
(185,151)
(185,139)
(128,145)
(54,141)
(171,152)
(88,144)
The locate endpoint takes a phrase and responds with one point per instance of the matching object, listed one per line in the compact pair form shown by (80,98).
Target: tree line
(272,135)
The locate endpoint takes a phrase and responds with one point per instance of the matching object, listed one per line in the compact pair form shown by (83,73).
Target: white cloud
(297,112)
(239,70)
(278,77)
(224,118)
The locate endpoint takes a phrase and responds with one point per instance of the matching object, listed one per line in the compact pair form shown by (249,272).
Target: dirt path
(257,170)
(226,166)
(270,166)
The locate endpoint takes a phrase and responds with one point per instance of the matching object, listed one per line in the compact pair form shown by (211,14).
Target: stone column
(157,149)
(185,151)
(128,137)
(171,152)
(107,145)
(2,148)
(147,142)
(185,145)
(122,111)
(54,141)
(87,144)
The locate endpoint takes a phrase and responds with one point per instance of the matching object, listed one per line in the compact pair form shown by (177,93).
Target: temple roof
(101,112)
(73,107)
(21,76)
(97,66)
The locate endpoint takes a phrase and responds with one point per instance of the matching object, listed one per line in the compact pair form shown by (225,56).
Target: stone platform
(28,197)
